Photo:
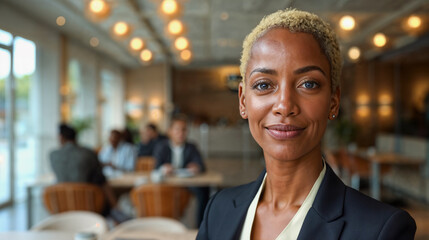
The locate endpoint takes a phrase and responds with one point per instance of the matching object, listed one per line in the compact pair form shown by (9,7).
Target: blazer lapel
(323,220)
(236,214)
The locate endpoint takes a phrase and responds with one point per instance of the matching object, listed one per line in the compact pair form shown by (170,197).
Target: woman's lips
(283,132)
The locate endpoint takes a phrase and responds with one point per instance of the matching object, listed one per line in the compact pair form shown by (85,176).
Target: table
(128,180)
(45,235)
(42,181)
(390,159)
(142,235)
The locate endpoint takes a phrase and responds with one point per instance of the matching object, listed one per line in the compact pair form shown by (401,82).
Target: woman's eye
(310,84)
(262,86)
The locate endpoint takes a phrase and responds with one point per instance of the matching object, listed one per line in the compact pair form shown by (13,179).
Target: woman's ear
(242,100)
(335,103)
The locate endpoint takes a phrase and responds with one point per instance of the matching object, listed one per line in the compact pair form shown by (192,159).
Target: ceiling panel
(216,28)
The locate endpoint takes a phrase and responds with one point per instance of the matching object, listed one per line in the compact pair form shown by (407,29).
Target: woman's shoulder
(367,211)
(361,202)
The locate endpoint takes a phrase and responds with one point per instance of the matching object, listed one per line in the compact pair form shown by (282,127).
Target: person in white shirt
(176,153)
(117,156)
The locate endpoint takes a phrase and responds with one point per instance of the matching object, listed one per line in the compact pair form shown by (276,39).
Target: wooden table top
(395,159)
(126,180)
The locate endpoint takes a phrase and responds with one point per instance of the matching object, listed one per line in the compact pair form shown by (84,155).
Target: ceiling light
(224,16)
(98,9)
(379,40)
(169,7)
(61,21)
(347,23)
(121,29)
(146,55)
(175,27)
(97,6)
(414,21)
(94,42)
(136,44)
(181,43)
(186,55)
(354,53)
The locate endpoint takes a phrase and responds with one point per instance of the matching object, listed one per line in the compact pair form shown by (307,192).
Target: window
(24,65)
(17,141)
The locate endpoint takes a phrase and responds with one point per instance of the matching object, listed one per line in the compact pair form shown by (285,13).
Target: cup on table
(85,236)
(156,176)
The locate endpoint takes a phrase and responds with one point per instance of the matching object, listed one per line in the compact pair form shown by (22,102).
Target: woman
(291,67)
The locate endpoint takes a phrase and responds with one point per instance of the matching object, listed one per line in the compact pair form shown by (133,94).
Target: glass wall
(5,162)
(24,65)
(17,160)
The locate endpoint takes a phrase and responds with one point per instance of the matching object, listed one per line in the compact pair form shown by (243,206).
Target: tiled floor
(236,171)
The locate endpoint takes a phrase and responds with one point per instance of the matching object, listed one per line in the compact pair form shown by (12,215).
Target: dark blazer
(163,154)
(338,212)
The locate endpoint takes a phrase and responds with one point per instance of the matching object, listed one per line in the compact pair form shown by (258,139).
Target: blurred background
(100,65)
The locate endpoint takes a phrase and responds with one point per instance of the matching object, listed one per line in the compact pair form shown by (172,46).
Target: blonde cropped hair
(302,22)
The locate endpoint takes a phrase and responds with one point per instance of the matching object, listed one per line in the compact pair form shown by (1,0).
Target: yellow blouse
(292,230)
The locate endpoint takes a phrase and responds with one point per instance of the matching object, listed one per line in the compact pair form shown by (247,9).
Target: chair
(160,200)
(64,197)
(153,224)
(145,164)
(355,166)
(73,221)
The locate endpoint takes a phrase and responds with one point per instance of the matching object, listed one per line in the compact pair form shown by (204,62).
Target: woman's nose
(286,103)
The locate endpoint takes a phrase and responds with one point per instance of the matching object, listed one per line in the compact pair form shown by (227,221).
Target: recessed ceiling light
(121,29)
(146,55)
(97,6)
(175,27)
(186,55)
(181,43)
(379,40)
(136,44)
(94,42)
(224,16)
(354,53)
(347,23)
(61,21)
(414,21)
(169,7)
(98,9)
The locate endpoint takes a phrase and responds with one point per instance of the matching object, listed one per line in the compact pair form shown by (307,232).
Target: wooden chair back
(145,164)
(160,200)
(64,197)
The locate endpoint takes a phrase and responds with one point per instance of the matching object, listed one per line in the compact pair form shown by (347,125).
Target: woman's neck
(289,182)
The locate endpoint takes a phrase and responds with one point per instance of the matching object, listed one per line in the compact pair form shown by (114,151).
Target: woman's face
(287,95)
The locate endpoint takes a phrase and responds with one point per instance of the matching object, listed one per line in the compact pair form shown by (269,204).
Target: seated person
(128,135)
(150,137)
(177,153)
(74,163)
(117,155)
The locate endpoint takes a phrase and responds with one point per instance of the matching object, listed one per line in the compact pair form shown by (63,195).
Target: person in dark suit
(291,67)
(150,137)
(176,153)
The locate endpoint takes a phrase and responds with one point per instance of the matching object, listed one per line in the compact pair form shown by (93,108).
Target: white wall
(151,85)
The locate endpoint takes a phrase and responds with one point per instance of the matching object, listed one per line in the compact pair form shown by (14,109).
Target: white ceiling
(215,41)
